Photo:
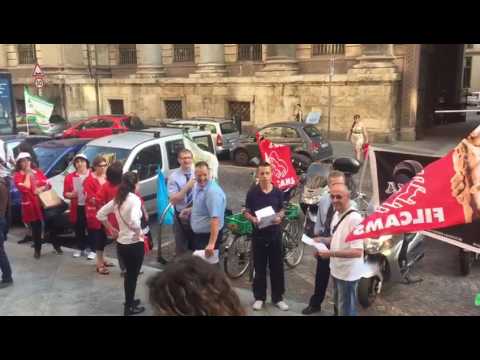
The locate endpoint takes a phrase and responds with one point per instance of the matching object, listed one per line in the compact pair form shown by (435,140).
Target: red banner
(445,193)
(279,157)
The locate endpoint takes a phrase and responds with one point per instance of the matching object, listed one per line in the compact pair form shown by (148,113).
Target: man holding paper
(322,235)
(264,208)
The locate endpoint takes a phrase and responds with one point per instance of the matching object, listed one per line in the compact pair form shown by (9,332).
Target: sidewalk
(59,285)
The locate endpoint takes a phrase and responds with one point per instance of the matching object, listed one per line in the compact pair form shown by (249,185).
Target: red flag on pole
(279,157)
(445,193)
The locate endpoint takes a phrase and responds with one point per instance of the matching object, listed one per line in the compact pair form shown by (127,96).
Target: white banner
(38,111)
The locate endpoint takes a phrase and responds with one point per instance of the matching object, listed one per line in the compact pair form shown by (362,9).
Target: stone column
(409,93)
(212,61)
(150,60)
(3,56)
(281,60)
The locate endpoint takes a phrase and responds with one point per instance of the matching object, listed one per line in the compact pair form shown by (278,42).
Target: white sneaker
(282,306)
(257,305)
(91,255)
(77,254)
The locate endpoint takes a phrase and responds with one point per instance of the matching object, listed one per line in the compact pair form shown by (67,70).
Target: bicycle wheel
(237,256)
(292,243)
(166,240)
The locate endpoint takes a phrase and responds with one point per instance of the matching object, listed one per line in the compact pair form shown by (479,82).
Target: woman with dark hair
(107,192)
(358,136)
(92,184)
(127,208)
(192,287)
(31,181)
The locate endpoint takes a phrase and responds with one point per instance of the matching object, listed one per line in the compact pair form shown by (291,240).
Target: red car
(103,125)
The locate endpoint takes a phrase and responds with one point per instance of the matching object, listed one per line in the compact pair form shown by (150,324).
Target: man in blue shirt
(180,184)
(208,211)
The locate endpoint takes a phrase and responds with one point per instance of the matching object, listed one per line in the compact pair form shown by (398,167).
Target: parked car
(103,125)
(305,140)
(56,127)
(224,131)
(141,151)
(12,142)
(55,155)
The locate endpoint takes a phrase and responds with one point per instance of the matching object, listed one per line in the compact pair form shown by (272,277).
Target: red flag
(445,193)
(279,157)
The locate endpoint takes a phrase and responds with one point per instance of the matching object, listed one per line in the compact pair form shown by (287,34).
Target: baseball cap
(23,155)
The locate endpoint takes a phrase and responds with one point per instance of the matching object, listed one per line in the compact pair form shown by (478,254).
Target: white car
(141,151)
(473,98)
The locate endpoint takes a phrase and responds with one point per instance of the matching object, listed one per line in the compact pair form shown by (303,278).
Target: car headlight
(376,245)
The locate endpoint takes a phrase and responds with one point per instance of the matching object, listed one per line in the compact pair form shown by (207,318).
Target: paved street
(61,285)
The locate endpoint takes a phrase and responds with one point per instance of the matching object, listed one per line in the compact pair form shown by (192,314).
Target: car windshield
(228,128)
(46,156)
(110,153)
(312,132)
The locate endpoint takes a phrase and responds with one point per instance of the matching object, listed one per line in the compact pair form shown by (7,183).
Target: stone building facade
(260,83)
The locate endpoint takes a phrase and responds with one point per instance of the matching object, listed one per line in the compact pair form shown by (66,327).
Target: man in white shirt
(7,161)
(346,258)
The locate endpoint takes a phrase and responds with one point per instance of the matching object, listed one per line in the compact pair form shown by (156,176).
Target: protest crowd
(106,204)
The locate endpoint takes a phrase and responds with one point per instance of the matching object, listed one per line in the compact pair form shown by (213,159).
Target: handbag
(49,199)
(55,211)
(147,237)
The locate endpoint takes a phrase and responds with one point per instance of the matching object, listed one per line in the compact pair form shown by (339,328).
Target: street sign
(37,71)
(39,83)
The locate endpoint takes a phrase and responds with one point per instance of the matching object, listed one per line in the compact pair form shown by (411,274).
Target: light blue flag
(162,199)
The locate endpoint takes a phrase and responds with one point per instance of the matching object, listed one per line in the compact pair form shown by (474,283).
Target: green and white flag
(38,111)
(202,155)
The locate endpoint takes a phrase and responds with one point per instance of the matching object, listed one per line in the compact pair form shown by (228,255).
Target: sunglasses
(186,158)
(102,165)
(336,197)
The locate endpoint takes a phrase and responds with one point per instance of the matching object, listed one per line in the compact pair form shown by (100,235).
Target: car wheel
(241,157)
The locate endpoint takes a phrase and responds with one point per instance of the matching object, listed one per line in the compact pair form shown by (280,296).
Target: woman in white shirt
(127,208)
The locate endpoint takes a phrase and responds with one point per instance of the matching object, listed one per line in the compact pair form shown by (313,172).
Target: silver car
(224,131)
(141,151)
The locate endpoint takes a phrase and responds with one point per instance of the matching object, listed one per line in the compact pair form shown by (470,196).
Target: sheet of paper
(320,246)
(212,259)
(265,216)
(78,186)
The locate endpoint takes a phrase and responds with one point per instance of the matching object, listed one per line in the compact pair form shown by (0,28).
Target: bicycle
(237,252)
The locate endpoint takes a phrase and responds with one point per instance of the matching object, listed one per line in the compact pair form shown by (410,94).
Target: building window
(116,107)
(26,54)
(173,109)
(183,53)
(467,72)
(127,54)
(252,52)
(239,110)
(328,49)
(469,46)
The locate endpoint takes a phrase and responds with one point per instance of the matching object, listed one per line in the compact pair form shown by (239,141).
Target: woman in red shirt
(31,181)
(92,186)
(73,190)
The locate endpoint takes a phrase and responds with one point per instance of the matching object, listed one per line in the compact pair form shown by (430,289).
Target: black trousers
(83,240)
(322,275)
(132,256)
(36,227)
(267,249)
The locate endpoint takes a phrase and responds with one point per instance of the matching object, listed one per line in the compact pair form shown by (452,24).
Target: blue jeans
(345,296)
(4,263)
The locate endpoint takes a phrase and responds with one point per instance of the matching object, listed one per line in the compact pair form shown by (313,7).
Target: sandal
(108,264)
(103,270)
